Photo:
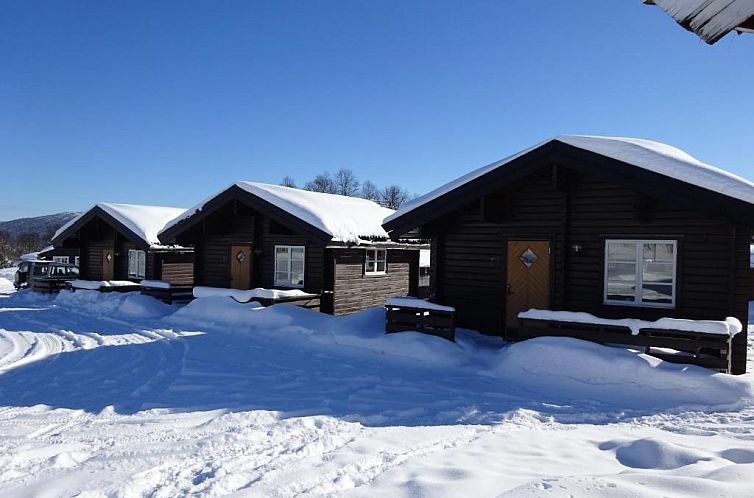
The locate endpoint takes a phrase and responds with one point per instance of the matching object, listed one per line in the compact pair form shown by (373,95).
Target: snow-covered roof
(144,221)
(346,219)
(710,19)
(646,154)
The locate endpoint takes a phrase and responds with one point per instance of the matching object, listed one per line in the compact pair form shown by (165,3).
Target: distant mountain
(26,235)
(40,225)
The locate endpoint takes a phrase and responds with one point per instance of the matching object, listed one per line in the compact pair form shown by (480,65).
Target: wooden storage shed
(258,235)
(119,242)
(619,228)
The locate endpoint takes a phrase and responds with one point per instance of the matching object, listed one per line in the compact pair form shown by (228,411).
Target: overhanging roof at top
(139,223)
(327,217)
(648,166)
(710,19)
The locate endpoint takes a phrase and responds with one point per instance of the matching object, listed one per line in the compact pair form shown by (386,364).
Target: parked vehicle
(44,275)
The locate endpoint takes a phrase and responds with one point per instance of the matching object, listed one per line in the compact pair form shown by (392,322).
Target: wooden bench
(402,318)
(696,348)
(170,295)
(311,302)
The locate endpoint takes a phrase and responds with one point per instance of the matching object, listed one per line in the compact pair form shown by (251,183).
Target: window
(137,264)
(376,263)
(60,259)
(289,266)
(640,272)
(76,260)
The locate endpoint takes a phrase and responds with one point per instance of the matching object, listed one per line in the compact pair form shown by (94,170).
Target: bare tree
(346,183)
(321,183)
(288,182)
(393,196)
(370,191)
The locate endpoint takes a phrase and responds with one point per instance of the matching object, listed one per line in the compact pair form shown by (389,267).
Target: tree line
(345,182)
(11,248)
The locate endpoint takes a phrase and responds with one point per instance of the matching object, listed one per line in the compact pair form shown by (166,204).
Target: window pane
(657,293)
(297,267)
(658,272)
(620,291)
(370,267)
(297,278)
(621,251)
(297,253)
(371,257)
(621,271)
(281,278)
(281,252)
(380,266)
(658,252)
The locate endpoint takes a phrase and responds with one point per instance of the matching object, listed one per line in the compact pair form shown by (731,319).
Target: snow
(346,219)
(155,284)
(88,284)
(646,154)
(412,302)
(245,296)
(710,19)
(110,394)
(730,326)
(144,221)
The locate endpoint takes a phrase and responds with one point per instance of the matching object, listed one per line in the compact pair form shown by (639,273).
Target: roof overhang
(236,193)
(571,157)
(98,212)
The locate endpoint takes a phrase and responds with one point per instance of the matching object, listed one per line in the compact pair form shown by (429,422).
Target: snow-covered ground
(121,395)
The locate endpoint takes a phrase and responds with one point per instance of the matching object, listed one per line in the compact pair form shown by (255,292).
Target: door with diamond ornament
(240,267)
(528,282)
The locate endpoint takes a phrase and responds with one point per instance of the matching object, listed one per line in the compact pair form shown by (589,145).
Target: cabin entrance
(528,278)
(108,264)
(240,267)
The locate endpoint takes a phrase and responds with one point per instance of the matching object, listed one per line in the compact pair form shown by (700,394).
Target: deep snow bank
(131,304)
(562,368)
(364,330)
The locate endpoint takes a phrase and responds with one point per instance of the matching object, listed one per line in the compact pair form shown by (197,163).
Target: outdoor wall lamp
(577,248)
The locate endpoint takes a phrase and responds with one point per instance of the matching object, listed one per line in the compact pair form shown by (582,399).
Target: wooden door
(240,267)
(528,284)
(108,263)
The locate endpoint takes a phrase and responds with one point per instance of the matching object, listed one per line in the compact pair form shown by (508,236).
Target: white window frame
(287,269)
(60,259)
(376,256)
(76,260)
(639,273)
(137,263)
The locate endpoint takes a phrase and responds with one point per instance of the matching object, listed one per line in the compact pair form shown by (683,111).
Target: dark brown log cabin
(674,233)
(256,235)
(60,254)
(119,242)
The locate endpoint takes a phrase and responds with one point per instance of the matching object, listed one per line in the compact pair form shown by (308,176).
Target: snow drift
(562,368)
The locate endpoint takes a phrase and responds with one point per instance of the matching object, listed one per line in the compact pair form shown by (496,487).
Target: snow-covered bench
(410,313)
(103,285)
(265,297)
(166,291)
(705,343)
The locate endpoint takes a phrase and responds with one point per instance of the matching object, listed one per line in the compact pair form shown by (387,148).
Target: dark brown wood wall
(230,225)
(468,251)
(354,291)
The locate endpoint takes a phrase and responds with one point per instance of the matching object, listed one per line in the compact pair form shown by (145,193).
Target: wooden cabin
(60,254)
(710,19)
(258,235)
(619,228)
(119,242)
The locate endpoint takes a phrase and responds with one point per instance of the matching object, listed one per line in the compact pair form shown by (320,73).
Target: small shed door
(240,267)
(528,284)
(108,263)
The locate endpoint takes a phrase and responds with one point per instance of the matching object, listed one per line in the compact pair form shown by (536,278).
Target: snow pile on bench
(155,284)
(112,304)
(730,326)
(413,302)
(144,221)
(564,369)
(245,296)
(88,284)
(346,219)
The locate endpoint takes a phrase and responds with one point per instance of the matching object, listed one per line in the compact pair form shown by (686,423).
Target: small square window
(376,262)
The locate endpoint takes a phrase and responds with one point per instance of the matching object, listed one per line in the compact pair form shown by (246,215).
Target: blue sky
(168,102)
